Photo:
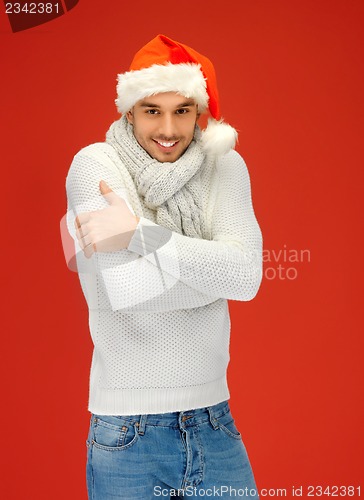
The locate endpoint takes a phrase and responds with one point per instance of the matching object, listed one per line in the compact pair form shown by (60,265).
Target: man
(166,233)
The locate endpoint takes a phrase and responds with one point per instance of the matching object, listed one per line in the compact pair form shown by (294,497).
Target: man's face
(164,125)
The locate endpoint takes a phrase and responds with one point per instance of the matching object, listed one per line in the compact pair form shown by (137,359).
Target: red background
(290,78)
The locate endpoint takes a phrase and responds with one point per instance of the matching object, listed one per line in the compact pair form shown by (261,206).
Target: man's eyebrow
(186,103)
(146,104)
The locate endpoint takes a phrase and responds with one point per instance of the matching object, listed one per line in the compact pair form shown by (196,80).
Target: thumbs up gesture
(107,230)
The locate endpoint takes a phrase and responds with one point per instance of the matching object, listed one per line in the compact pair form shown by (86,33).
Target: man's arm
(132,283)
(229,266)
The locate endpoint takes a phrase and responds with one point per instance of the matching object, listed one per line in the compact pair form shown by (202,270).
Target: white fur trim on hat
(186,79)
(218,137)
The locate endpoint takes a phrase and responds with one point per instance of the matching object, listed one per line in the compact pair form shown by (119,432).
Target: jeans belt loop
(141,424)
(213,420)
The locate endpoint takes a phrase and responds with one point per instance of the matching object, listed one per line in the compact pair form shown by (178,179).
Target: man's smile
(164,145)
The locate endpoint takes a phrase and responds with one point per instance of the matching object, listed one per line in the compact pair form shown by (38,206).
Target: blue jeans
(186,454)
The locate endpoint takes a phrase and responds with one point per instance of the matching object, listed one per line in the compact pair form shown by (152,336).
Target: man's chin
(167,157)
(166,160)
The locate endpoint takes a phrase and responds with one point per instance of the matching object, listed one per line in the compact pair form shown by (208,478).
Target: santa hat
(164,65)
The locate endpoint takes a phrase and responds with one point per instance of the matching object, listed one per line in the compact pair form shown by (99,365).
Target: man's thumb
(108,193)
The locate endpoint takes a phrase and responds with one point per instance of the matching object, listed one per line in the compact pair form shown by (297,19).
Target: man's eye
(152,111)
(182,111)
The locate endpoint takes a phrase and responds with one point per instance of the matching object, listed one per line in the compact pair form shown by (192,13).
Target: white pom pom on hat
(164,65)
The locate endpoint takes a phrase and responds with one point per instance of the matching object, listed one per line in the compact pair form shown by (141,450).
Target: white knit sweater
(158,311)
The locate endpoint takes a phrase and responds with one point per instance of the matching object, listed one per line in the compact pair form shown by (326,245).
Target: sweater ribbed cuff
(163,400)
(148,237)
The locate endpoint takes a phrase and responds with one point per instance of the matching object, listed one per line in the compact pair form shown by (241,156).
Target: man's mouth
(165,145)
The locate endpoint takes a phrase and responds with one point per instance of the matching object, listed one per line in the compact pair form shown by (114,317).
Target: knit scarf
(173,190)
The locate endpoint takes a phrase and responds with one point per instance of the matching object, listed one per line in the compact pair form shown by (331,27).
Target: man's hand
(107,230)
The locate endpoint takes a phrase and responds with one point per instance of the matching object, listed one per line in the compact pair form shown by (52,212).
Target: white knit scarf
(172,189)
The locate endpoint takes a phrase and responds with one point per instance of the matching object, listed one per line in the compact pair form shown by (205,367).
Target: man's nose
(167,126)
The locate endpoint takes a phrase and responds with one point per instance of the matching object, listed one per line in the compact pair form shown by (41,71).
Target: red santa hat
(164,65)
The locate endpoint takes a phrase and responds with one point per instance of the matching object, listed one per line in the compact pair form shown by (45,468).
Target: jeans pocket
(227,424)
(113,437)
(89,435)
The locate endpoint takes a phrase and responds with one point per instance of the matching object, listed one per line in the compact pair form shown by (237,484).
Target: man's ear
(198,115)
(129,116)
(198,112)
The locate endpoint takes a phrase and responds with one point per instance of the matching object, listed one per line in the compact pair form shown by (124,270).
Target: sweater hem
(161,400)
